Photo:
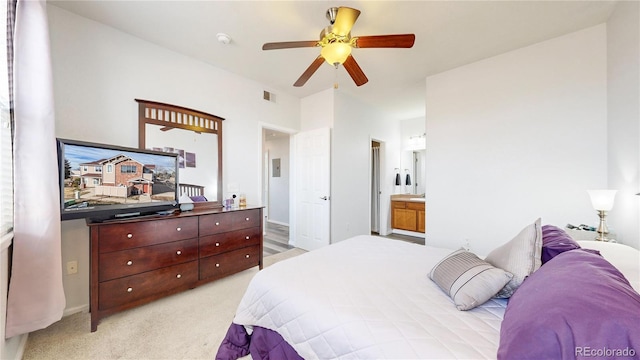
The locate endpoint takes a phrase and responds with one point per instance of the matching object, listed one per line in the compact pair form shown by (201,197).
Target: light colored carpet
(189,325)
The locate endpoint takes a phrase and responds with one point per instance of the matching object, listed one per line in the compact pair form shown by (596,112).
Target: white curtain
(375,189)
(36,296)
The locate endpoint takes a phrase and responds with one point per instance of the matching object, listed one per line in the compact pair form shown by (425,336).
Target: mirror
(419,171)
(196,137)
(413,166)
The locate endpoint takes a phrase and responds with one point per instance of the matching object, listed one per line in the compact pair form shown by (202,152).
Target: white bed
(370,297)
(624,257)
(330,317)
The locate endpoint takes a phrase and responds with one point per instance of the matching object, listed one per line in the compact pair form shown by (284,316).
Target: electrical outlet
(72,267)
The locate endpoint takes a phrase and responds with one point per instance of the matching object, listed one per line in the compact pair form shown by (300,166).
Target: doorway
(375,187)
(276,189)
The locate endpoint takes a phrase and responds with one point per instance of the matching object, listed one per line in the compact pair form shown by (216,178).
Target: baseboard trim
(409,233)
(277,222)
(74,310)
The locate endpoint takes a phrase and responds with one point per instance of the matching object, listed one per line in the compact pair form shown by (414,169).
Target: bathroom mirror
(196,137)
(413,166)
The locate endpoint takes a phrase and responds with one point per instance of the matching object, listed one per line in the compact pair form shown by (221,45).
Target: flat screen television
(102,182)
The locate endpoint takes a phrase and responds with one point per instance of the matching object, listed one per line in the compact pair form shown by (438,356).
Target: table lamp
(602,201)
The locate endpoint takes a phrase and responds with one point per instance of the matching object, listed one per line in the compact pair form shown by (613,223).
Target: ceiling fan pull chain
(335,77)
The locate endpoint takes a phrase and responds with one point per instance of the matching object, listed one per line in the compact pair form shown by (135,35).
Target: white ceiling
(448,34)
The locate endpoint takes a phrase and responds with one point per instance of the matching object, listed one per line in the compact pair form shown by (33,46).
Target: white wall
(515,137)
(98,72)
(316,111)
(13,347)
(278,148)
(355,125)
(623,75)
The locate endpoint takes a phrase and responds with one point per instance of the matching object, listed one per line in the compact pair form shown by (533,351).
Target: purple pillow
(555,241)
(198,198)
(575,306)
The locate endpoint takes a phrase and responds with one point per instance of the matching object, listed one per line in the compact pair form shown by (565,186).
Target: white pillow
(521,257)
(468,280)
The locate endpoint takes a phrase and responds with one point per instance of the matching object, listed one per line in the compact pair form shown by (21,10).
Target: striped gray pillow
(468,280)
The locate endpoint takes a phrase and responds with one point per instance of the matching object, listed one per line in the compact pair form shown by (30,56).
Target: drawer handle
(217,265)
(178,229)
(178,276)
(217,244)
(246,219)
(129,263)
(217,223)
(246,256)
(129,289)
(247,237)
(178,252)
(129,236)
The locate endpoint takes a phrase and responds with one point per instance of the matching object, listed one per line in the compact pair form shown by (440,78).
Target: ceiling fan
(336,43)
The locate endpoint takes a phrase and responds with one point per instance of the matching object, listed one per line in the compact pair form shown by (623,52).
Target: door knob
(324,198)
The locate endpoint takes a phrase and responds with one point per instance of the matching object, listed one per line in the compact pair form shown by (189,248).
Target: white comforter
(370,298)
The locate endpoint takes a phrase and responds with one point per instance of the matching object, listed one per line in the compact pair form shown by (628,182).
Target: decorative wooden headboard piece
(172,116)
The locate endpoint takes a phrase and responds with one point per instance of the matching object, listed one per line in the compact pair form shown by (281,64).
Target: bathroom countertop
(408,197)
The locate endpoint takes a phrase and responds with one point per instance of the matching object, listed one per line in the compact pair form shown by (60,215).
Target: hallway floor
(276,238)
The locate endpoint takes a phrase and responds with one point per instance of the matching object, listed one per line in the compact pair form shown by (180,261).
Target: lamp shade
(336,52)
(602,199)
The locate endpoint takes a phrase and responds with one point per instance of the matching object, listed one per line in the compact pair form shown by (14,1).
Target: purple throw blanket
(263,344)
(577,305)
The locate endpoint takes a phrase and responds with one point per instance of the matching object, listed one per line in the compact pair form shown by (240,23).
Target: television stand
(126,215)
(131,216)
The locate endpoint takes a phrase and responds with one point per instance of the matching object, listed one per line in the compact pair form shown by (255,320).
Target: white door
(312,179)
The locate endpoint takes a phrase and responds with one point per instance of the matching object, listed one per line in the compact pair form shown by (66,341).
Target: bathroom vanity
(408,213)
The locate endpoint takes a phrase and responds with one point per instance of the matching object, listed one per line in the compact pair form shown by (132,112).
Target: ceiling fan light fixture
(336,53)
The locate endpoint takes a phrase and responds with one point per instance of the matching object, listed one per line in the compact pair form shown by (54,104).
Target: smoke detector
(223,38)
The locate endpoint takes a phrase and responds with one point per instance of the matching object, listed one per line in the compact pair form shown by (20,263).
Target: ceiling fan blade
(345,19)
(355,71)
(385,41)
(289,45)
(310,70)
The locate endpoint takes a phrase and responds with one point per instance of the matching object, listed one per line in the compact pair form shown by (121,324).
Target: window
(6,146)
(128,169)
(99,169)
(109,168)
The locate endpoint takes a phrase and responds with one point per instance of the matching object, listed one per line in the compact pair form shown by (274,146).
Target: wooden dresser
(139,260)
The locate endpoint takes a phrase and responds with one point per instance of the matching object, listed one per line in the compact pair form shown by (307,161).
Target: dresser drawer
(132,288)
(136,234)
(215,267)
(133,261)
(216,244)
(235,220)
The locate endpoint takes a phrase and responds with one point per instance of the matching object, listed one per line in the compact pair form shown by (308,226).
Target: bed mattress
(368,297)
